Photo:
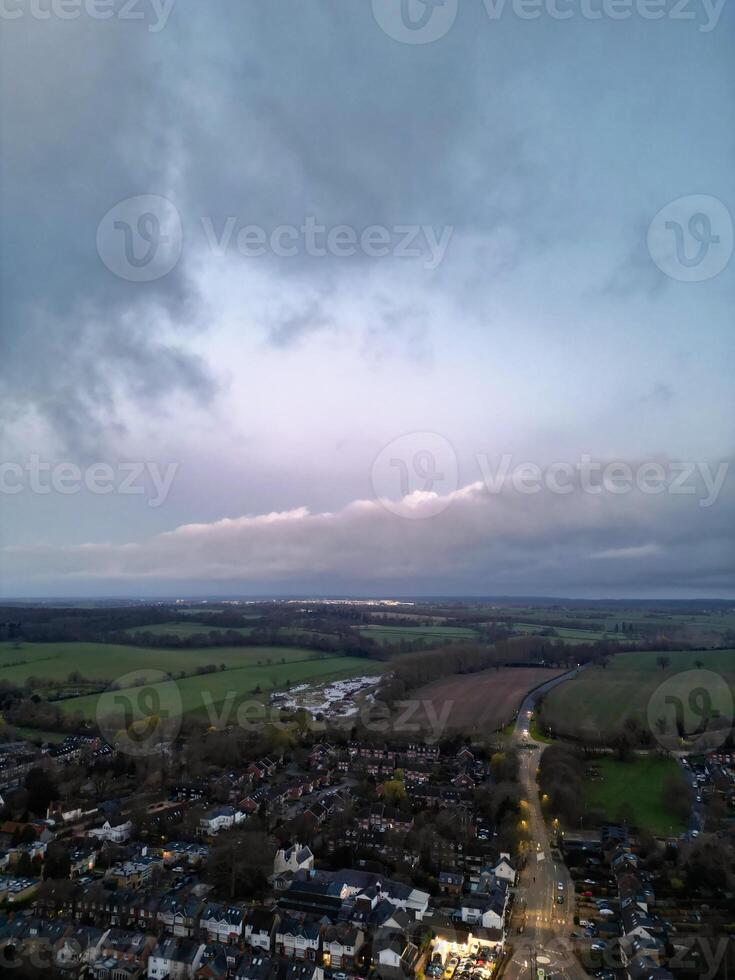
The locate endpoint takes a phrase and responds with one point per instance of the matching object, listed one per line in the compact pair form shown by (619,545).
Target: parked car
(599,946)
(451,968)
(586,923)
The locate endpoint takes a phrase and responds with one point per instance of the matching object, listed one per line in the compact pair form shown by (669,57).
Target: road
(545,941)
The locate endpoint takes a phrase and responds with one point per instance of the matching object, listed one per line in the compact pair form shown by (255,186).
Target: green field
(393,635)
(213,690)
(105,662)
(186,630)
(705,626)
(598,702)
(639,785)
(569,632)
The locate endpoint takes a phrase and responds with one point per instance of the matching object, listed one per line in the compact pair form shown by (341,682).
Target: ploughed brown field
(487,700)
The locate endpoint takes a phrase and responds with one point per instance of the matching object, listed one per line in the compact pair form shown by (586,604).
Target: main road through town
(544,943)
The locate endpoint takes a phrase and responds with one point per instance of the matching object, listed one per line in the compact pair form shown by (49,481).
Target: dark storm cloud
(87,121)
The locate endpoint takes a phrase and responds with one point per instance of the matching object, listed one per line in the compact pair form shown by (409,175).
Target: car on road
(605,975)
(559,899)
(560,886)
(339,976)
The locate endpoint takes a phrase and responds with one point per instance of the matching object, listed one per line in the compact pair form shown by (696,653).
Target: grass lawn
(598,702)
(638,784)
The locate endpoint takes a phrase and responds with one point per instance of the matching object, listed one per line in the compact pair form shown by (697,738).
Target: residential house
(341,944)
(222,923)
(174,959)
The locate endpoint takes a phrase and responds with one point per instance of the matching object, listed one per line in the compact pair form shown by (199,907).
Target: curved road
(544,943)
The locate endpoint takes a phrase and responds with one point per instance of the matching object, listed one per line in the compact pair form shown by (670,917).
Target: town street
(544,943)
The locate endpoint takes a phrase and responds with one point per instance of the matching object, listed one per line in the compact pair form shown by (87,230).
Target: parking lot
(478,964)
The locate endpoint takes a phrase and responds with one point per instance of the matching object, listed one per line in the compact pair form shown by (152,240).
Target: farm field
(209,692)
(598,702)
(484,701)
(103,662)
(701,626)
(392,635)
(186,630)
(639,785)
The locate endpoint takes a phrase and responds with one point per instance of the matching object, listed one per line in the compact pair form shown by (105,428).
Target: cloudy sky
(367,297)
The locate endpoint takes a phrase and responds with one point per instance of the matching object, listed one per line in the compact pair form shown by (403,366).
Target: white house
(298,938)
(485,908)
(175,959)
(504,869)
(116,834)
(221,818)
(295,858)
(260,926)
(222,923)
